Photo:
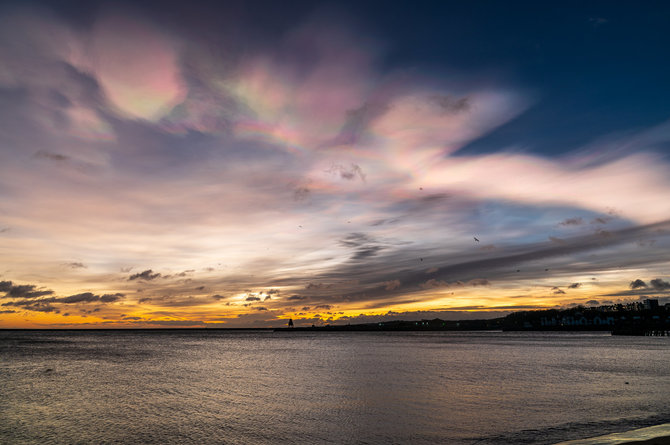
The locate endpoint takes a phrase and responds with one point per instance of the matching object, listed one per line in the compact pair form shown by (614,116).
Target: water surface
(181,387)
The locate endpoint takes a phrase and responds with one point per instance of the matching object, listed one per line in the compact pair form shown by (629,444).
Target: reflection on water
(177,387)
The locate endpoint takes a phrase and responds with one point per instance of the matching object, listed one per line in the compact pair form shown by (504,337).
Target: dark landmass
(640,318)
(401,325)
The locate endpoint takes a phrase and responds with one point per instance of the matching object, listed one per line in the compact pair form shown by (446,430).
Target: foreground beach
(653,435)
(656,441)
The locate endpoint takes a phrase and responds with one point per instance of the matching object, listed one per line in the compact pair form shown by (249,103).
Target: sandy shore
(653,435)
(664,440)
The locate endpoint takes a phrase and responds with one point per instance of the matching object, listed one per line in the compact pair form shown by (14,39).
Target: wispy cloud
(145,275)
(291,173)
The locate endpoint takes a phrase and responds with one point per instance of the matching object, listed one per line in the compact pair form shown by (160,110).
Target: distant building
(650,304)
(599,321)
(546,321)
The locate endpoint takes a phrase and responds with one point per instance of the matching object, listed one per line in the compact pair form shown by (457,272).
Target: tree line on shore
(637,318)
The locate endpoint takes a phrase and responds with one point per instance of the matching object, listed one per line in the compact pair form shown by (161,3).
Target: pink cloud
(136,64)
(638,184)
(302,93)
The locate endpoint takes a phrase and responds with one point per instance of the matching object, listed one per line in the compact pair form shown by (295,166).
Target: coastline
(662,440)
(653,435)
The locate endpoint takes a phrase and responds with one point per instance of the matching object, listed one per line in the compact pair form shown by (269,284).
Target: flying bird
(476,238)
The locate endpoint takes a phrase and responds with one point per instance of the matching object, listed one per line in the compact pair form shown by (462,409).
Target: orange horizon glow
(172,184)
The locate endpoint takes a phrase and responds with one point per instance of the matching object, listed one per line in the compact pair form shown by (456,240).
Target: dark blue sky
(593,68)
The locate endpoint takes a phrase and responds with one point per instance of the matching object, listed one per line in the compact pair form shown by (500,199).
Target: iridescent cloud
(296,179)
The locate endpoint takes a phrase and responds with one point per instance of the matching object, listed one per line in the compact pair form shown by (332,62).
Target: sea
(265,387)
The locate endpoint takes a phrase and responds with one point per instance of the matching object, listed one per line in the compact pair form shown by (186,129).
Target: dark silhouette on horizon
(638,318)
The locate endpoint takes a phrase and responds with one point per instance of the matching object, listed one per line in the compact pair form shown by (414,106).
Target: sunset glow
(158,176)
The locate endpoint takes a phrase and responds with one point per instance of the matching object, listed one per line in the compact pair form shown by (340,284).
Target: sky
(239,164)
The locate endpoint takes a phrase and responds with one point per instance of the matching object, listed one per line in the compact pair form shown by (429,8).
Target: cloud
(252,298)
(142,82)
(51,156)
(394,264)
(85,297)
(452,105)
(637,284)
(110,298)
(575,286)
(592,303)
(381,222)
(457,314)
(390,285)
(196,156)
(572,222)
(366,252)
(594,187)
(318,286)
(146,275)
(364,246)
(42,308)
(349,173)
(33,305)
(659,284)
(144,300)
(174,323)
(434,284)
(601,220)
(76,265)
(8,312)
(26,291)
(296,298)
(301,193)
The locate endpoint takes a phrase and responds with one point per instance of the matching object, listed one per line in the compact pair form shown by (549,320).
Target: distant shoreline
(646,318)
(137,329)
(282,329)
